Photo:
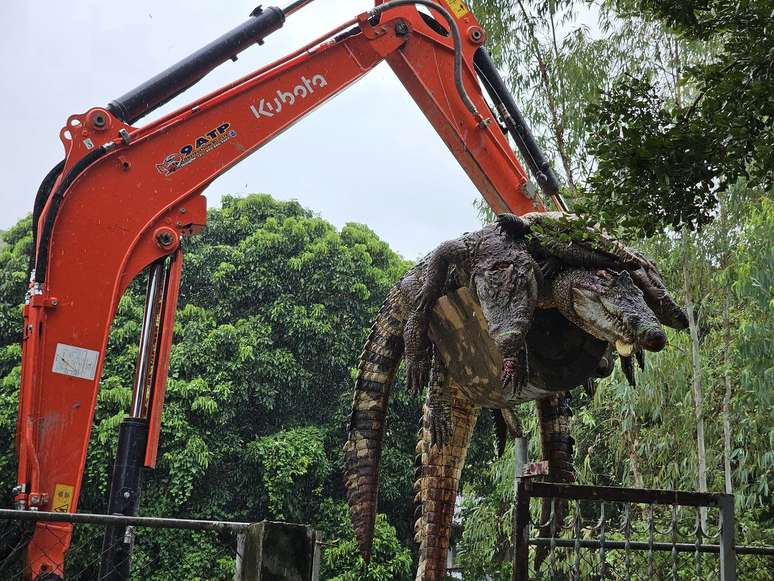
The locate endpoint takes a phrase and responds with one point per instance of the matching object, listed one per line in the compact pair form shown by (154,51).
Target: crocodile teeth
(624,349)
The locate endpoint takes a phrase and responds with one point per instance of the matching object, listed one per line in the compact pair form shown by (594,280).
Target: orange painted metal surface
(107,228)
(159,379)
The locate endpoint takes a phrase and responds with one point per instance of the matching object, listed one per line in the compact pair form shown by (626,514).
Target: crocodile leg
(436,485)
(658,298)
(556,443)
(418,348)
(508,293)
(439,402)
(588,247)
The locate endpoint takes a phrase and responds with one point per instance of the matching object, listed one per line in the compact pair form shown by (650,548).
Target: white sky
(367,156)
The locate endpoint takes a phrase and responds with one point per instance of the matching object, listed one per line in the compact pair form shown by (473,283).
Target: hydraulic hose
(455,33)
(41,198)
(515,123)
(41,261)
(295,7)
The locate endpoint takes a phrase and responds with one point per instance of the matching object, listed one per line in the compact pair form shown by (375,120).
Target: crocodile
(515,254)
(449,412)
(485,261)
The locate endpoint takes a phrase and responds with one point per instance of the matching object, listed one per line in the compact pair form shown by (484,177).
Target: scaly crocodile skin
(556,445)
(378,363)
(403,322)
(436,487)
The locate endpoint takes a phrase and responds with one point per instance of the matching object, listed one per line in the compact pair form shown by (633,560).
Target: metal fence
(160,548)
(596,532)
(605,533)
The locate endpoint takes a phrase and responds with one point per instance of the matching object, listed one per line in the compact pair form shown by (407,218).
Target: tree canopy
(658,119)
(666,155)
(275,305)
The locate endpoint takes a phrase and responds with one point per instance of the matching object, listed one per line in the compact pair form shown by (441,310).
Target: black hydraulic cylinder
(124,498)
(168,84)
(516,124)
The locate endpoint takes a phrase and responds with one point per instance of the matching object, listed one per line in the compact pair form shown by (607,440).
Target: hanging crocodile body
(494,319)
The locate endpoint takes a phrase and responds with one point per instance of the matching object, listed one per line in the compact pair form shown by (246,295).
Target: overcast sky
(367,156)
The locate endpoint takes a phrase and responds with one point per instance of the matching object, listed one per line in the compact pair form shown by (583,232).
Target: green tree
(275,306)
(670,147)
(665,157)
(342,561)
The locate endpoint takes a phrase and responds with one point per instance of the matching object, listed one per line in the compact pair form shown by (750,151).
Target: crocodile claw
(590,387)
(417,374)
(627,366)
(514,374)
(640,355)
(511,225)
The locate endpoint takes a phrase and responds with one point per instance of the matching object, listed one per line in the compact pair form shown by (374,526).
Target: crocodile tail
(377,366)
(438,476)
(554,415)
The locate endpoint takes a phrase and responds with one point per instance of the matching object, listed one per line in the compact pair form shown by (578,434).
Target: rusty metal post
(317,557)
(520,513)
(248,555)
(727,538)
(275,550)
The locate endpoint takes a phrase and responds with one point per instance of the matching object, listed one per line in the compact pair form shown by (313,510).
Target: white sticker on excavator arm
(75,361)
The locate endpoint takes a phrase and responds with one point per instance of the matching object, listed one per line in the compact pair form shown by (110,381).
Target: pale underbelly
(561,355)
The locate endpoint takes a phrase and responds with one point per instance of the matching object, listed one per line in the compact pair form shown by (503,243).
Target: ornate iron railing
(628,534)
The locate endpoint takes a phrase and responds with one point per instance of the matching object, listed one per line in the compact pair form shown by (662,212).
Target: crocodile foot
(511,225)
(514,374)
(417,373)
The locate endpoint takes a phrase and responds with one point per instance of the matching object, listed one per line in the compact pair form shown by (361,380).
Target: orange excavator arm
(125,195)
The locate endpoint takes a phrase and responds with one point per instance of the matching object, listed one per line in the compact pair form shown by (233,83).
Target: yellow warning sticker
(63,498)
(458,8)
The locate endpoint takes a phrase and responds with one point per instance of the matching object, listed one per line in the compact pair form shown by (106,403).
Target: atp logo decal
(193,151)
(304,88)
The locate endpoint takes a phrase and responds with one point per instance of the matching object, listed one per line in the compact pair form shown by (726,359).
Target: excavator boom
(126,195)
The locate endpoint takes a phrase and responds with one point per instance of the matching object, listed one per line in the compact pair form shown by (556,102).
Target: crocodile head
(609,306)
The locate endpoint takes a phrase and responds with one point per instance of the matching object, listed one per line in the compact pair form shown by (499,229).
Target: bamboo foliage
(701,414)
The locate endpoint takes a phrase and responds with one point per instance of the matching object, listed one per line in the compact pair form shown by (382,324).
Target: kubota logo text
(273,105)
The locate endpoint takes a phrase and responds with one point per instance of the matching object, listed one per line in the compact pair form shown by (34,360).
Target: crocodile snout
(654,340)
